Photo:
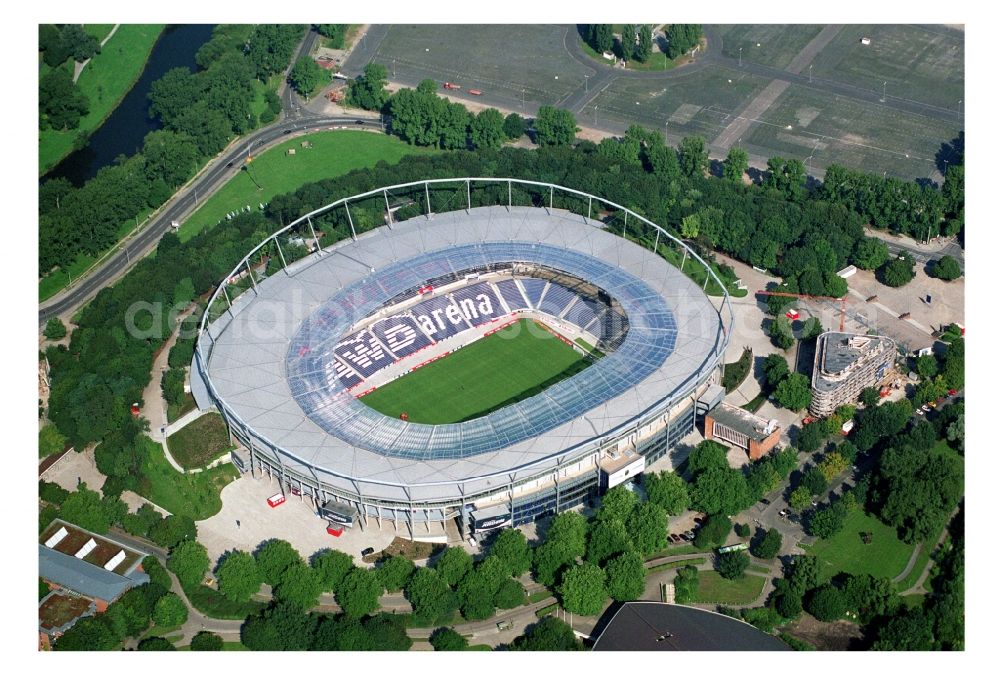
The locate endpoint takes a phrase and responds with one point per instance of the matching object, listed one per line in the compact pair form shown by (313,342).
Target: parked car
(765,501)
(919,411)
(359,122)
(815,503)
(952,393)
(367,550)
(925,408)
(689,534)
(675,538)
(699,520)
(784,512)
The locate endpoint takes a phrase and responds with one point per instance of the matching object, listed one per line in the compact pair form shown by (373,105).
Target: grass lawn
(333,153)
(200,442)
(105,81)
(55,282)
(196,495)
(755,403)
(495,371)
(226,645)
(176,412)
(98,30)
(886,556)
(770,44)
(737,371)
(538,596)
(713,588)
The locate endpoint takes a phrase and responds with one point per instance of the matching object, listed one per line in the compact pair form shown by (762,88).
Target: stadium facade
(285,355)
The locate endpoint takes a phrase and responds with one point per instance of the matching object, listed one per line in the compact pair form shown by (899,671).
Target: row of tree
(200,111)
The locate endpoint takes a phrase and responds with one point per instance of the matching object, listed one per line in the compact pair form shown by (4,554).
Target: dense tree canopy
(794,392)
(668,490)
(511,548)
(359,592)
(626,577)
(238,576)
(368,90)
(432,599)
(306,75)
(549,633)
(453,564)
(554,126)
(189,562)
(583,590)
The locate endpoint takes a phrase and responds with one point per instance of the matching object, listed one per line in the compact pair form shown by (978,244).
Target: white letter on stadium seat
(453,314)
(485,306)
(469,309)
(437,317)
(426,324)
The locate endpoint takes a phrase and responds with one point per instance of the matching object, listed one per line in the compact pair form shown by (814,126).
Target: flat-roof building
(845,364)
(740,428)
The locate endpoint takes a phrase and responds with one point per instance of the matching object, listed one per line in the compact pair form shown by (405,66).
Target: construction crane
(843,301)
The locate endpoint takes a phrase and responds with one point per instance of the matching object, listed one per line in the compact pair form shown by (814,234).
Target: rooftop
(743,421)
(838,353)
(85,578)
(648,625)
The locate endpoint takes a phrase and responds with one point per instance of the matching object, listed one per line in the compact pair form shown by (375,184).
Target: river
(122,133)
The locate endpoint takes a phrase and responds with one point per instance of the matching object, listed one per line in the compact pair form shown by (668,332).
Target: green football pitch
(498,370)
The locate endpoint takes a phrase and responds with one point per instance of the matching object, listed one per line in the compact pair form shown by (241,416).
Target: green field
(886,556)
(713,588)
(332,153)
(492,372)
(105,81)
(194,495)
(200,442)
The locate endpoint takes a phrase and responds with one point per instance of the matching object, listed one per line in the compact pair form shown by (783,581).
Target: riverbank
(105,81)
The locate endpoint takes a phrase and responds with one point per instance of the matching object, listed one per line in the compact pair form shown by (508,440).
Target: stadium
(472,353)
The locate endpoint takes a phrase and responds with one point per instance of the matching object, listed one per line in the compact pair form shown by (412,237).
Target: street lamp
(741,57)
(882,100)
(810,73)
(586,83)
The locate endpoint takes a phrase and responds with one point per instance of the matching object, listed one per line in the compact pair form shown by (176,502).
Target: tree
(273,557)
(897,271)
(811,437)
(686,584)
(827,520)
(927,366)
(52,45)
(334,33)
(870,397)
(732,565)
(955,433)
(870,596)
(513,126)
(173,530)
(368,90)
(647,525)
(487,129)
(668,490)
(626,577)
(721,491)
(832,464)
(644,45)
(608,538)
(89,633)
(814,481)
(305,76)
(793,392)
(946,268)
(601,37)
(359,592)
(617,504)
(707,455)
(511,548)
(298,584)
(582,590)
(85,508)
(565,541)
(549,633)
(60,103)
(870,253)
(238,576)
(394,572)
(170,156)
(554,127)
(775,369)
(736,164)
(713,532)
(918,490)
(510,594)
(781,332)
(786,176)
(693,156)
(189,562)
(912,629)
(681,37)
(206,641)
(50,441)
(81,44)
(279,626)
(55,330)
(768,546)
(453,565)
(432,599)
(800,498)
(331,567)
(446,638)
(170,611)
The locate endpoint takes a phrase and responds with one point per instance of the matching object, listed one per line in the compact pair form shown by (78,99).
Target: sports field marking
(495,371)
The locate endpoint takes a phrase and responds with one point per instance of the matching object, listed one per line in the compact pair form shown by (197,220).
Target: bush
(737,372)
(713,532)
(827,603)
(170,611)
(52,492)
(446,638)
(686,584)
(742,529)
(897,272)
(513,126)
(206,641)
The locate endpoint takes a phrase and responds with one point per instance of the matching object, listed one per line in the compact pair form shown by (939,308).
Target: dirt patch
(415,551)
(839,635)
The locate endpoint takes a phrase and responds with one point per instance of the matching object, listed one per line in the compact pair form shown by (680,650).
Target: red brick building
(736,427)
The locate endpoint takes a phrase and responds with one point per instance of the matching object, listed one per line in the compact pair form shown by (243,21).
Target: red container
(276,499)
(335,531)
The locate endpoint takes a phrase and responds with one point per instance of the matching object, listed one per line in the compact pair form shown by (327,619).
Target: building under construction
(845,364)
